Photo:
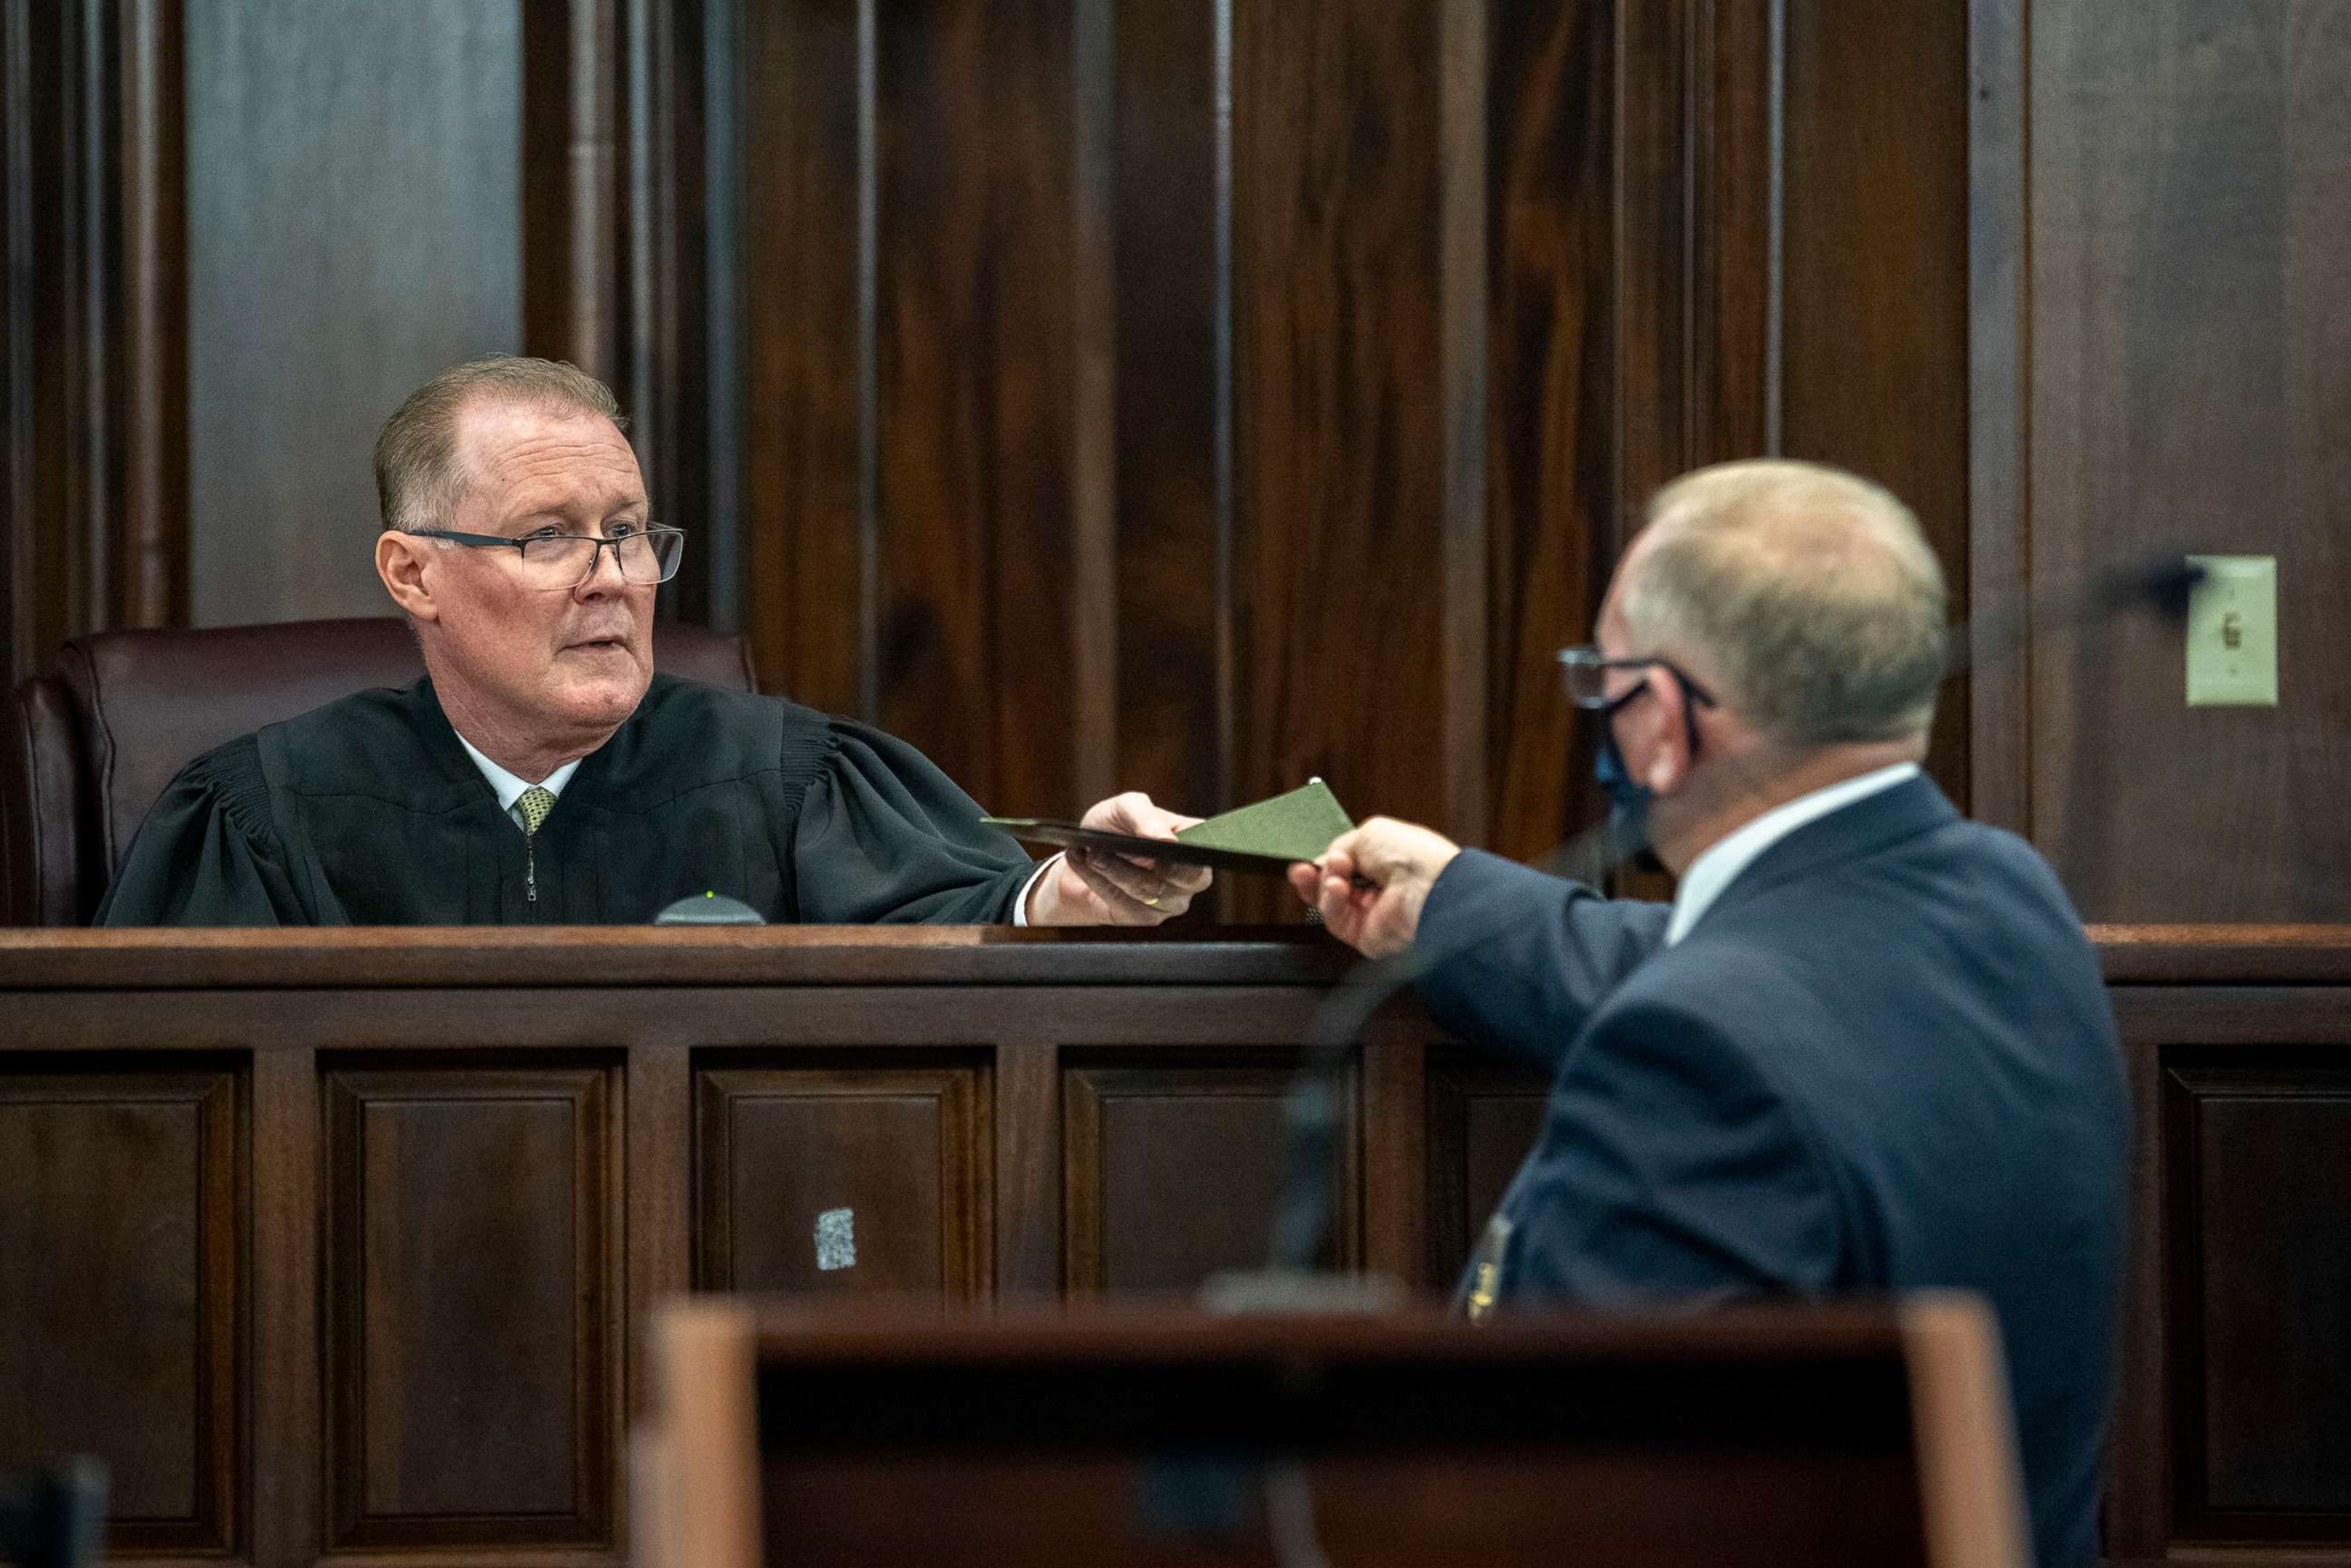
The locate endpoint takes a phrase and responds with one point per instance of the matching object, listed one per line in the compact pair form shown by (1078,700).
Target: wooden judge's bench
(344,1244)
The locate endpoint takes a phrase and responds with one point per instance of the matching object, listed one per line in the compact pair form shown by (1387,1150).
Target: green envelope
(1298,826)
(1267,837)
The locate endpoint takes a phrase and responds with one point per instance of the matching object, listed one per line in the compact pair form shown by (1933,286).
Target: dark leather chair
(89,749)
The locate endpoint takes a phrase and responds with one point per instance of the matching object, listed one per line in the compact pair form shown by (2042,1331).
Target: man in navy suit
(1865,1049)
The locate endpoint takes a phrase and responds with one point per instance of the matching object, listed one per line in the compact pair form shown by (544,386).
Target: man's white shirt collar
(508,788)
(1719,866)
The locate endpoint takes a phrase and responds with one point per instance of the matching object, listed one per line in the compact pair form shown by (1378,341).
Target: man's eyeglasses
(562,562)
(1586,670)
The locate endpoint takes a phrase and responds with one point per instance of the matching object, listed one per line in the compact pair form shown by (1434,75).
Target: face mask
(1628,799)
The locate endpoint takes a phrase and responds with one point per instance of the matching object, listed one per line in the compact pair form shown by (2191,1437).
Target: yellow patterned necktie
(534,803)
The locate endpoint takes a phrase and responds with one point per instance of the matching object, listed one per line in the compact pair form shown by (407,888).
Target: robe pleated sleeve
(207,854)
(883,836)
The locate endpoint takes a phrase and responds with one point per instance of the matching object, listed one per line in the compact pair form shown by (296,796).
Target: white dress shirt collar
(1719,866)
(508,788)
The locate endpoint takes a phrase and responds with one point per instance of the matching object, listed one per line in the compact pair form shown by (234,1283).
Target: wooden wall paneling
(1659,396)
(1552,487)
(1394,1205)
(1463,94)
(1999,709)
(473,1401)
(1092,543)
(28,134)
(1173,1167)
(848,1176)
(665,376)
(1875,275)
(2258,1175)
(126,1288)
(573,233)
(1027,1117)
(288,1353)
(2232,1085)
(2189,255)
(1482,1121)
(974,354)
(65,423)
(151,579)
(1171,178)
(661,1186)
(352,178)
(807,129)
(1739,183)
(1340,584)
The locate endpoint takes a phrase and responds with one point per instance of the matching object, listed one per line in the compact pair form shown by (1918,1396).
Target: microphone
(710,909)
(2162,585)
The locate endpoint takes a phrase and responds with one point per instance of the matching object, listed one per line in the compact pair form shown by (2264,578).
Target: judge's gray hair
(1809,592)
(418,477)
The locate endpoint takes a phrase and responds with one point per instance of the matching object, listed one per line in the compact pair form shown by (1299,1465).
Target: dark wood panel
(95,401)
(1482,1120)
(1172,1171)
(807,517)
(353,177)
(1169,172)
(1875,274)
(124,1291)
(975,415)
(571,218)
(2189,257)
(285,1397)
(864,1179)
(2258,1159)
(2291,1036)
(472,1337)
(1552,395)
(1339,600)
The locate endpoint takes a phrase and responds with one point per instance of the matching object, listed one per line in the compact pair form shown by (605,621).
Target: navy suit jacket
(1884,1060)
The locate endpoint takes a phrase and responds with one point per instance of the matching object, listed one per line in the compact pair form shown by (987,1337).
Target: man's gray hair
(418,477)
(1811,593)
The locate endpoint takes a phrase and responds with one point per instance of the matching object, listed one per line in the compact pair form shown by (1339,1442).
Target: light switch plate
(2232,632)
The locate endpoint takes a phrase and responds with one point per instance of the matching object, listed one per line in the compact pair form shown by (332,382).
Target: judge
(541,771)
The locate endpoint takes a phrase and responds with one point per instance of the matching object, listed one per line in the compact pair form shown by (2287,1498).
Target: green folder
(1298,826)
(1268,836)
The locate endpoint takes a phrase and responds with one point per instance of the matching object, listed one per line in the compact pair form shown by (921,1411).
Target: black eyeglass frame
(1588,658)
(595,557)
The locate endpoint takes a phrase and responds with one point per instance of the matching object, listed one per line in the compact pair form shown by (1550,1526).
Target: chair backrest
(91,750)
(1876,1434)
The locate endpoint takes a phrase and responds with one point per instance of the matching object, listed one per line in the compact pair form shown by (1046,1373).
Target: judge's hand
(1399,861)
(1097,887)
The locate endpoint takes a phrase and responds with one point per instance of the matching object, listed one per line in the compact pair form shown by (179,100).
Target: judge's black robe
(369,811)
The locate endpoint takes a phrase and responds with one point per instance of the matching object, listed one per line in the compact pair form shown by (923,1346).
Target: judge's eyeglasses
(562,562)
(1585,671)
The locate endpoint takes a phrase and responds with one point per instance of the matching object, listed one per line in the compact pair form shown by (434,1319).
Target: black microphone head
(2170,584)
(2163,585)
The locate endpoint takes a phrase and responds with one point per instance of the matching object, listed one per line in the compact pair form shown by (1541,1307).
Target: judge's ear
(400,561)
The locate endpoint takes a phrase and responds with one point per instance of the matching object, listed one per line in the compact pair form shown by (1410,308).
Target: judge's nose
(603,579)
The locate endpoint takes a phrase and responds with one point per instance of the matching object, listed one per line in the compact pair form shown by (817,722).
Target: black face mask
(1629,798)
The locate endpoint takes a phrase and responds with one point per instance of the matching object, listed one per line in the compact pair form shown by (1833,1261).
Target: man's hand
(1096,887)
(1400,862)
